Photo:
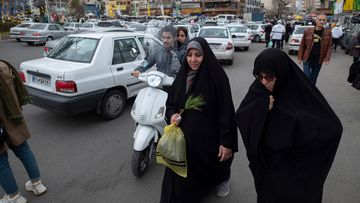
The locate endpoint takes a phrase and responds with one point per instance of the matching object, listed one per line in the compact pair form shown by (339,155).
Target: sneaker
(17,199)
(37,188)
(223,189)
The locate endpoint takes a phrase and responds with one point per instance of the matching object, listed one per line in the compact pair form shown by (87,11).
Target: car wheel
(30,43)
(230,62)
(246,48)
(257,38)
(141,159)
(49,39)
(18,39)
(112,104)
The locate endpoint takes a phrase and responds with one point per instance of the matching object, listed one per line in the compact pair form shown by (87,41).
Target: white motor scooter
(148,112)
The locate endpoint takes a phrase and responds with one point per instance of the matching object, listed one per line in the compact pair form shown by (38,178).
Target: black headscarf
(294,142)
(204,130)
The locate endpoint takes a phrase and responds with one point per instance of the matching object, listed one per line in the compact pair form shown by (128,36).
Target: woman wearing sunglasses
(290,132)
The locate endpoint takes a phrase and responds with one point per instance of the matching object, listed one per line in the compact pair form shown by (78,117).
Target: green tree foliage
(76,8)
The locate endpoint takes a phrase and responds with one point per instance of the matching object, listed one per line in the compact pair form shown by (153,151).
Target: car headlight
(154,80)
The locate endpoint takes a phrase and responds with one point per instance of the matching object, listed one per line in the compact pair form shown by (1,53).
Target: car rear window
(300,30)
(237,29)
(38,26)
(213,33)
(24,25)
(77,49)
(87,25)
(105,24)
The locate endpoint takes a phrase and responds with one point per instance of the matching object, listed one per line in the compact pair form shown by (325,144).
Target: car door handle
(120,69)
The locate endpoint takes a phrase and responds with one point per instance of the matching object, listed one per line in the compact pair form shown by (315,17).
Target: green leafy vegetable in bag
(171,148)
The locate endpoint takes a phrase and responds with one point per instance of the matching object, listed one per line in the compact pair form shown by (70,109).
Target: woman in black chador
(210,133)
(290,132)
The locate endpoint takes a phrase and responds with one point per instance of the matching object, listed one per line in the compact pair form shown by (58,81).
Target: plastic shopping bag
(171,150)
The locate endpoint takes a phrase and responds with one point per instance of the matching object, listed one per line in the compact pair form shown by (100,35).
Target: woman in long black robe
(292,146)
(205,130)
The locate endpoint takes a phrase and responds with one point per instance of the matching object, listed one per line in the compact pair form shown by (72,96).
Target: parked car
(71,26)
(240,36)
(15,31)
(257,31)
(88,26)
(49,45)
(88,71)
(220,41)
(295,39)
(42,32)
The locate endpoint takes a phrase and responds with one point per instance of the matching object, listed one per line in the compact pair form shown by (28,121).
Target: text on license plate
(41,80)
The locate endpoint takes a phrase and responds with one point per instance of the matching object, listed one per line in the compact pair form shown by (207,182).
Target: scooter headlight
(154,80)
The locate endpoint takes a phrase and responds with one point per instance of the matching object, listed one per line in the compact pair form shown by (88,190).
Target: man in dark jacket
(267,30)
(315,48)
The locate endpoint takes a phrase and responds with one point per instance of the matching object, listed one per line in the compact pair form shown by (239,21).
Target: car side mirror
(234,36)
(134,52)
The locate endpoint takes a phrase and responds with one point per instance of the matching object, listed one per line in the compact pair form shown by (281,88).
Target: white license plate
(40,80)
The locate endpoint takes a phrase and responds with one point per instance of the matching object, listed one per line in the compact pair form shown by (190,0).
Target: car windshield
(38,26)
(213,33)
(300,30)
(77,49)
(237,29)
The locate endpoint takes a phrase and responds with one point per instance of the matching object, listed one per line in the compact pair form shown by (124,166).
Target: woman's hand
(271,102)
(224,153)
(175,118)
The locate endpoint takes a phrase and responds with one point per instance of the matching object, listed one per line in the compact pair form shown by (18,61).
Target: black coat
(204,130)
(291,147)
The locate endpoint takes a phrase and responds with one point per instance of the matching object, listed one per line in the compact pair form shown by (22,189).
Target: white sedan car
(88,71)
(294,42)
(220,41)
(240,36)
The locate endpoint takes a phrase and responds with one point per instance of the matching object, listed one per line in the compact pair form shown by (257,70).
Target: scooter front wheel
(141,159)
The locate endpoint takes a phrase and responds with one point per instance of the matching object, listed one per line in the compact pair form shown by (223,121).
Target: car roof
(235,25)
(304,26)
(98,35)
(214,27)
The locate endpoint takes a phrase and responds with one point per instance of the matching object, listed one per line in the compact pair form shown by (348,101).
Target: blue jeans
(24,153)
(311,70)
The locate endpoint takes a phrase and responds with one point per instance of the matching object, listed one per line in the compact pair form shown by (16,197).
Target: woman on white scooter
(210,133)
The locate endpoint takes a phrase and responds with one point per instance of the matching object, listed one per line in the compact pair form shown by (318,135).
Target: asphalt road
(86,159)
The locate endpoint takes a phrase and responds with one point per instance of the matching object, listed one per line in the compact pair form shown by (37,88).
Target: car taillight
(46,50)
(262,31)
(22,33)
(36,34)
(294,41)
(229,46)
(22,76)
(65,86)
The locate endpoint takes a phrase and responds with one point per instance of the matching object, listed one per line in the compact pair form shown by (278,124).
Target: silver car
(42,32)
(15,31)
(72,26)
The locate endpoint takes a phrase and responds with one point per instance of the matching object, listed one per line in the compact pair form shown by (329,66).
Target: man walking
(336,35)
(277,34)
(315,48)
